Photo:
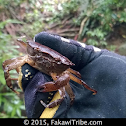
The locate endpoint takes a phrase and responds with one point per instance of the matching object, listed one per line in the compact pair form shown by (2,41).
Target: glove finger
(73,50)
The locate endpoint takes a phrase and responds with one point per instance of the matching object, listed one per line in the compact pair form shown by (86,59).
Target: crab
(50,62)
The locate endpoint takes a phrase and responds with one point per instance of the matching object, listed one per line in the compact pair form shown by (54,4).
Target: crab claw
(22,45)
(47,87)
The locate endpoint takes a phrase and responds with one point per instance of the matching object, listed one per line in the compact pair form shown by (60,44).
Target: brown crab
(49,62)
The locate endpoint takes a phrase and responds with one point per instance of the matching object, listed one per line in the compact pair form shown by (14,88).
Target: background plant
(89,21)
(102,16)
(10,104)
(96,18)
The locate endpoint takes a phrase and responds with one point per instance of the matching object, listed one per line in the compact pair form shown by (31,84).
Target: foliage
(96,18)
(103,15)
(67,8)
(33,21)
(7,50)
(97,37)
(10,104)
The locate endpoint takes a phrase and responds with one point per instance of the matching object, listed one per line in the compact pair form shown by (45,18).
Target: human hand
(100,69)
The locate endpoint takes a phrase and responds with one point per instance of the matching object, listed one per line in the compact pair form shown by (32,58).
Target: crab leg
(70,93)
(59,84)
(14,79)
(72,77)
(13,64)
(53,86)
(74,72)
(56,102)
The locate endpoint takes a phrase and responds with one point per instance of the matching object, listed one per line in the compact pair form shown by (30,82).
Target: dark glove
(102,70)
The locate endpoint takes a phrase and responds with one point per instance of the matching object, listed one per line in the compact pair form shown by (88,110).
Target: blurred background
(101,23)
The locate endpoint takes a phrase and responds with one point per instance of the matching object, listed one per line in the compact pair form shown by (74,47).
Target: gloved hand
(102,70)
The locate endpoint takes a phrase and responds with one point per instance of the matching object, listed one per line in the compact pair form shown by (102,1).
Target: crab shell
(46,59)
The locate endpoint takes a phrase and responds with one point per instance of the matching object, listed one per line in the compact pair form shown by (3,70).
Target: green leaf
(92,42)
(22,107)
(13,112)
(18,111)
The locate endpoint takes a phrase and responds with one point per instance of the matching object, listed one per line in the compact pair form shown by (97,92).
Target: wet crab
(49,62)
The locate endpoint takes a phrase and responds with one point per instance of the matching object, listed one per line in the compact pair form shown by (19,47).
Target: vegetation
(10,104)
(96,20)
(89,21)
